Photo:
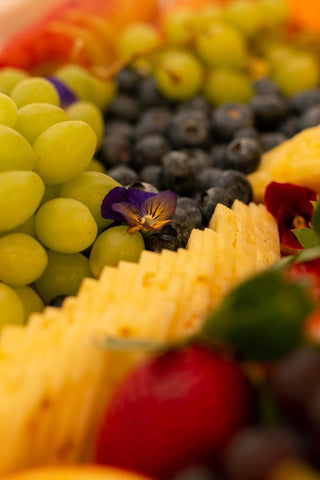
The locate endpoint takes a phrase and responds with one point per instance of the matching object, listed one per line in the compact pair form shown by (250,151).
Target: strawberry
(178,409)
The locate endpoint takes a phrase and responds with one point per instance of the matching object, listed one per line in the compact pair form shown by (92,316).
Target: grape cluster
(51,192)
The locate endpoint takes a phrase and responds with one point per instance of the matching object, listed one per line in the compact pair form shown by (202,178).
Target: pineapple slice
(294,161)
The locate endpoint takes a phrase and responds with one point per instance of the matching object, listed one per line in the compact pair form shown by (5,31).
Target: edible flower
(140,210)
(67,96)
(292,207)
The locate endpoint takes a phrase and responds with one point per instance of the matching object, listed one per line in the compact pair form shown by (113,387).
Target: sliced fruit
(295,161)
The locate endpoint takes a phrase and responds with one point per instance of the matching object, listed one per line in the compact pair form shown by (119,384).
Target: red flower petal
(278,194)
(290,240)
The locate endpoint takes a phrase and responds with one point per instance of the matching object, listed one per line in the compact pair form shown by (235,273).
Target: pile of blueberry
(201,153)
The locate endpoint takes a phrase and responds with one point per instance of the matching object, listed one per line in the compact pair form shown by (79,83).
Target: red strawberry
(308,271)
(179,409)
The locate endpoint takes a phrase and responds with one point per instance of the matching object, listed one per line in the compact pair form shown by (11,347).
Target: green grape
(179,75)
(22,259)
(114,245)
(63,275)
(274,12)
(64,150)
(35,90)
(103,92)
(8,111)
(11,307)
(90,188)
(223,85)
(245,15)
(278,53)
(222,46)
(96,166)
(20,195)
(179,27)
(78,79)
(35,118)
(15,152)
(138,38)
(31,301)
(89,113)
(65,225)
(206,17)
(296,73)
(10,77)
(51,192)
(26,227)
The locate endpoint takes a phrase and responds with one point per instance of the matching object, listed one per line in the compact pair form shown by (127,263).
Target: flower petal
(116,195)
(160,208)
(138,197)
(67,96)
(129,213)
(290,240)
(278,194)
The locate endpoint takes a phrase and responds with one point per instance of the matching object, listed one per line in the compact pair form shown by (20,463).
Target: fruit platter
(160,240)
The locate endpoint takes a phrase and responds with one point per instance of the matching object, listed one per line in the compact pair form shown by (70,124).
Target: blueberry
(268,111)
(153,120)
(160,241)
(210,199)
(149,94)
(149,150)
(304,100)
(154,175)
(181,226)
(128,80)
(269,140)
(247,132)
(178,172)
(120,128)
(243,154)
(218,153)
(123,175)
(230,117)
(144,187)
(289,126)
(196,103)
(57,301)
(266,86)
(310,118)
(237,184)
(199,158)
(189,128)
(190,206)
(124,107)
(115,150)
(207,178)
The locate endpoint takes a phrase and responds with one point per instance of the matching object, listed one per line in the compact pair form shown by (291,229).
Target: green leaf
(307,237)
(316,218)
(263,318)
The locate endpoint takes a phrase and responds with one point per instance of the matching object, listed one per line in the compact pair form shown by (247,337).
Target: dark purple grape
(295,380)
(256,451)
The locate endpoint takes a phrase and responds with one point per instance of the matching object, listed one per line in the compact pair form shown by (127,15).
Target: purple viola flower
(67,96)
(140,210)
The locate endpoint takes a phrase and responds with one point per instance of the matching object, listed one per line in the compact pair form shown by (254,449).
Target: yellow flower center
(299,222)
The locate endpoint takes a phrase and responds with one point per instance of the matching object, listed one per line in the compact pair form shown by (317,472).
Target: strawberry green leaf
(262,319)
(307,237)
(316,218)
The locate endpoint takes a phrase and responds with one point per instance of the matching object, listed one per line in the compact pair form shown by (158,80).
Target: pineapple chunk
(295,161)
